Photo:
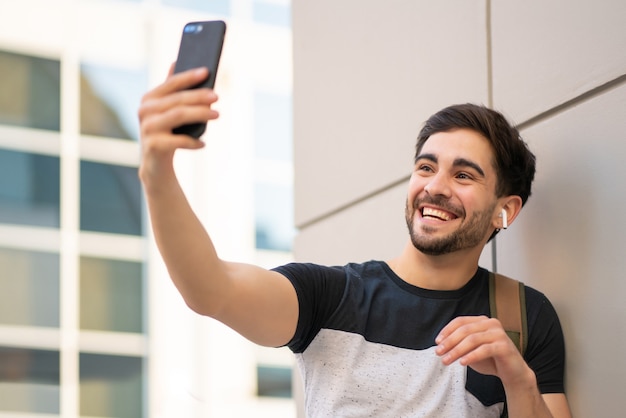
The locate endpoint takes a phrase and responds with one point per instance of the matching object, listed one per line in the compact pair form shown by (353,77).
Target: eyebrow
(459,162)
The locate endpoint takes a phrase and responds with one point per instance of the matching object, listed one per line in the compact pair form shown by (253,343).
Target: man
(407,337)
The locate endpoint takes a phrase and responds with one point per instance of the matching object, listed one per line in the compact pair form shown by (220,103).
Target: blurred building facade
(90,324)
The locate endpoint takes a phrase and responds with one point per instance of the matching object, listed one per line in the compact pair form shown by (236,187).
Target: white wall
(367,74)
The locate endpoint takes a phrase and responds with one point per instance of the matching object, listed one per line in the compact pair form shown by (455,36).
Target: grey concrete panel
(546,52)
(366,76)
(570,242)
(374,229)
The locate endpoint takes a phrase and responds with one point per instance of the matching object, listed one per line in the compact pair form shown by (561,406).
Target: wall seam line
(489,49)
(568,104)
(354,202)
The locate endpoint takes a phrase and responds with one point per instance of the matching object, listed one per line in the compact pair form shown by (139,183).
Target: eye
(424,167)
(465,176)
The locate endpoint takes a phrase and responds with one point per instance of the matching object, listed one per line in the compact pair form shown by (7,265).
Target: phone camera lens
(193,29)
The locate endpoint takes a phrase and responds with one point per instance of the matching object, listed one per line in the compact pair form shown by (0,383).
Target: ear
(507,210)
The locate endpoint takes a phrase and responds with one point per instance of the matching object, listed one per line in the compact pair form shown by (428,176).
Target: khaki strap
(508,304)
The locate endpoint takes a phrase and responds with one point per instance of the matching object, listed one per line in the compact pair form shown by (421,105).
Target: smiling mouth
(438,214)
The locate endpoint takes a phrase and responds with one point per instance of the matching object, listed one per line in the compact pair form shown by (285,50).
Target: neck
(436,272)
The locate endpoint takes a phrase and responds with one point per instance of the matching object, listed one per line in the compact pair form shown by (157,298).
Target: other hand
(481,343)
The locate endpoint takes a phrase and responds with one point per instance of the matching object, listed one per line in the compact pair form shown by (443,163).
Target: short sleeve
(546,345)
(319,290)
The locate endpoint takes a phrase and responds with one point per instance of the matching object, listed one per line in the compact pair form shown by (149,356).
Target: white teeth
(436,213)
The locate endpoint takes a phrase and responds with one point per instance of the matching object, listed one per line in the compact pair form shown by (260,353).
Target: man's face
(451,203)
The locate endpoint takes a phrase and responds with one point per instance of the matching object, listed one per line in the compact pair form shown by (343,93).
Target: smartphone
(200,46)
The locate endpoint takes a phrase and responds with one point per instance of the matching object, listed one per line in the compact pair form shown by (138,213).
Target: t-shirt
(365,344)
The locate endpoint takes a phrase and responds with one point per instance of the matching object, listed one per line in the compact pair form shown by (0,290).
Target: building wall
(367,74)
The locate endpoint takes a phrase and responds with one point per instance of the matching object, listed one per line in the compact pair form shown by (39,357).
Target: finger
(488,349)
(455,324)
(164,122)
(166,145)
(458,330)
(179,81)
(471,347)
(183,99)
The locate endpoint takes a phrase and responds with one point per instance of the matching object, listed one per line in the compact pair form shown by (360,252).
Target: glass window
(274,381)
(29,380)
(111,295)
(29,288)
(110,199)
(273,126)
(109,101)
(29,188)
(221,7)
(273,144)
(31,91)
(274,217)
(272,13)
(111,386)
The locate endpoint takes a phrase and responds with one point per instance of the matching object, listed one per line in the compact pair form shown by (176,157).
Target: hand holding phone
(200,46)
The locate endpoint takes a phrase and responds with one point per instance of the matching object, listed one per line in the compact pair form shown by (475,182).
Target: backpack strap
(507,302)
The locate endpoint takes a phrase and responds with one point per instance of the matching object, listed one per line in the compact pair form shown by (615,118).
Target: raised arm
(259,304)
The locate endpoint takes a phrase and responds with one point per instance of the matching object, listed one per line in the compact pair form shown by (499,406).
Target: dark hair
(514,162)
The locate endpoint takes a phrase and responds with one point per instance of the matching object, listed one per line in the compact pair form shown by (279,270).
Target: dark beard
(468,235)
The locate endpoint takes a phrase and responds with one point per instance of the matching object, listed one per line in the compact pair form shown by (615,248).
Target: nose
(438,185)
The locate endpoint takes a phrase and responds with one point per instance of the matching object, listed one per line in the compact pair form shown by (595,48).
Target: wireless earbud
(505,219)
